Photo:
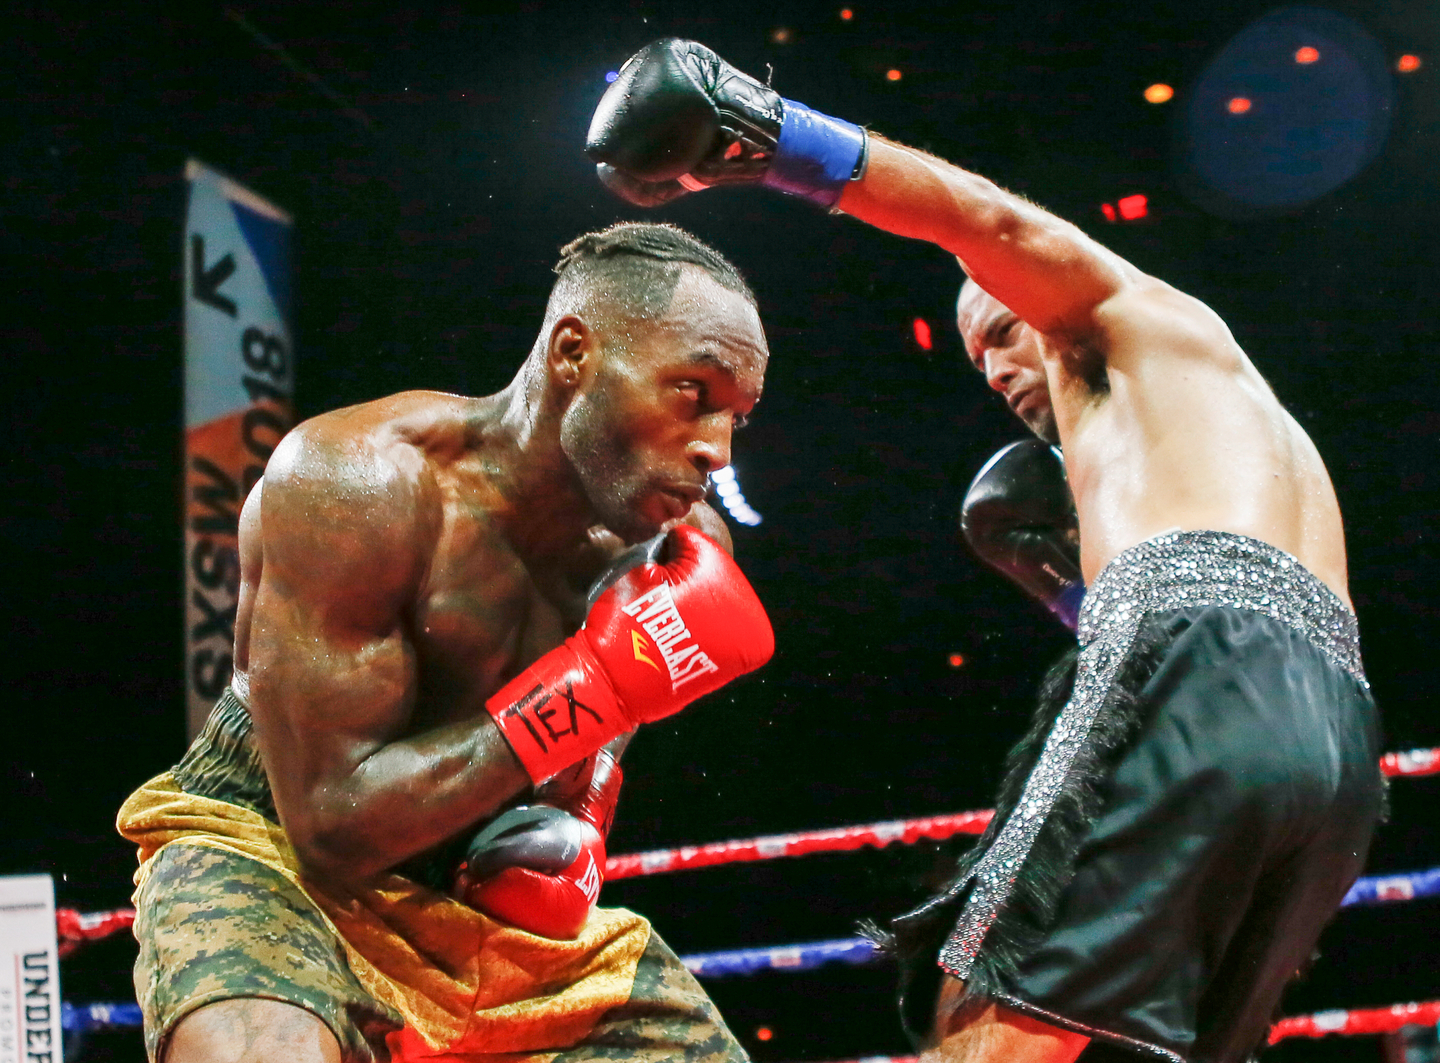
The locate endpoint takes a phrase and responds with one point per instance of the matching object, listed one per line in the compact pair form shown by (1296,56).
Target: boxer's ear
(570,351)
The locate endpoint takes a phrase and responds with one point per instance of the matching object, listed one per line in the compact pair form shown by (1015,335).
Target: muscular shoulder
(350,507)
(1147,322)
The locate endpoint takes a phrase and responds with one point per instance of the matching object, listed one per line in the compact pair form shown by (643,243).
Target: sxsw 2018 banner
(239,387)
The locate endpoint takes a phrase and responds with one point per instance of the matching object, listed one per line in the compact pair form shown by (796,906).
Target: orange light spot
(763,1033)
(922,333)
(956,660)
(893,75)
(846,14)
(1159,93)
(1307,54)
(1238,105)
(1107,210)
(1132,207)
(781,35)
(1408,64)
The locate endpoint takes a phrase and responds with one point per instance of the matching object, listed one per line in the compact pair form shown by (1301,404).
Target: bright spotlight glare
(723,475)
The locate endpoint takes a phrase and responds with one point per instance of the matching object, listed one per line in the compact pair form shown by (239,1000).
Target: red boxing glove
(540,867)
(660,637)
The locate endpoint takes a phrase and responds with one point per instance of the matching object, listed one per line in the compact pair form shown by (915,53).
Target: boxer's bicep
(1043,268)
(331,667)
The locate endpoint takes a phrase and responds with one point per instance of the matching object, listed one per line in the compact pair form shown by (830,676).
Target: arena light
(893,75)
(1294,106)
(611,76)
(1133,207)
(1127,208)
(1408,64)
(1159,93)
(727,489)
(846,14)
(921,328)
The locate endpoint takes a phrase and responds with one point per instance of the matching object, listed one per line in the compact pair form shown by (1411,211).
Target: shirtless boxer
(410,571)
(1197,800)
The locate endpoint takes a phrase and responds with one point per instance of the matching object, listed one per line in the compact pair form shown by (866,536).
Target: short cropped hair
(636,267)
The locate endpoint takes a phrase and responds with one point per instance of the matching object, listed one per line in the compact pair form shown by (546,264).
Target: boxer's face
(654,413)
(1007,351)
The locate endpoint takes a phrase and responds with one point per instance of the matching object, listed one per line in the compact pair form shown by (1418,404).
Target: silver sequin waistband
(1177,570)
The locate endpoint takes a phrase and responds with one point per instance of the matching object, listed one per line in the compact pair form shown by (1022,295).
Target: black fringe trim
(915,938)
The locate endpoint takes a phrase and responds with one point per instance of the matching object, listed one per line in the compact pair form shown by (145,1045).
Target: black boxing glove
(1019,518)
(679,119)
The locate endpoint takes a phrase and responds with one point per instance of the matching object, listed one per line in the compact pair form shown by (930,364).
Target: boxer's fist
(659,637)
(535,867)
(1019,518)
(540,867)
(679,118)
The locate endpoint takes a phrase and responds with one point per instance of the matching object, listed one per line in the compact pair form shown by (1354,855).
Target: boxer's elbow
(332,843)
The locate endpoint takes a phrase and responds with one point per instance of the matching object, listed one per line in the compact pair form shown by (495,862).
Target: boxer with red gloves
(1218,739)
(649,647)
(417,659)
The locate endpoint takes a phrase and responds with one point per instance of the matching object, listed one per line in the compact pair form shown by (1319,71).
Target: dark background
(430,200)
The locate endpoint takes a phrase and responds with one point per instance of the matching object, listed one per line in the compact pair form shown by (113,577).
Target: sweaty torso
(479,612)
(1166,438)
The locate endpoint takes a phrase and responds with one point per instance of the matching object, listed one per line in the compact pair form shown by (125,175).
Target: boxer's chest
(482,616)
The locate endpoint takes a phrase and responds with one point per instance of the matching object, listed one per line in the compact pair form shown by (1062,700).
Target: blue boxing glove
(679,119)
(1019,518)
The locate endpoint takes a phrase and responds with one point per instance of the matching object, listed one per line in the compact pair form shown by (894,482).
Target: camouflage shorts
(216,926)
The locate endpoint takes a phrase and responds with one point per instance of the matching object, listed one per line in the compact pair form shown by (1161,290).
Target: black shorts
(1224,805)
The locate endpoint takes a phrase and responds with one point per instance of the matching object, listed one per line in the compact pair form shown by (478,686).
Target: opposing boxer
(1199,794)
(439,621)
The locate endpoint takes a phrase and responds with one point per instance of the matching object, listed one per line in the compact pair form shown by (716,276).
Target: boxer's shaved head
(631,269)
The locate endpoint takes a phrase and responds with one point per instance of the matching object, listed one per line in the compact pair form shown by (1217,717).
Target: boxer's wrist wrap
(555,713)
(816,155)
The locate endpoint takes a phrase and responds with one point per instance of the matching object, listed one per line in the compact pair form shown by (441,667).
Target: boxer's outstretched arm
(346,529)
(1045,269)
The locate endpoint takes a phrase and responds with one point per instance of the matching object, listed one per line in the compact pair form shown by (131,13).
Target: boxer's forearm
(399,799)
(1044,269)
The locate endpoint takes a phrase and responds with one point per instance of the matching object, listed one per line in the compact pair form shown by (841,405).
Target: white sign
(29,971)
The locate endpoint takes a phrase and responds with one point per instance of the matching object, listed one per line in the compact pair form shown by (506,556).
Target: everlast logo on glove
(609,677)
(656,613)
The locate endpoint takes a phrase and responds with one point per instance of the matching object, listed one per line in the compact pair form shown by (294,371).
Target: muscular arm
(1053,276)
(346,531)
(1046,270)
